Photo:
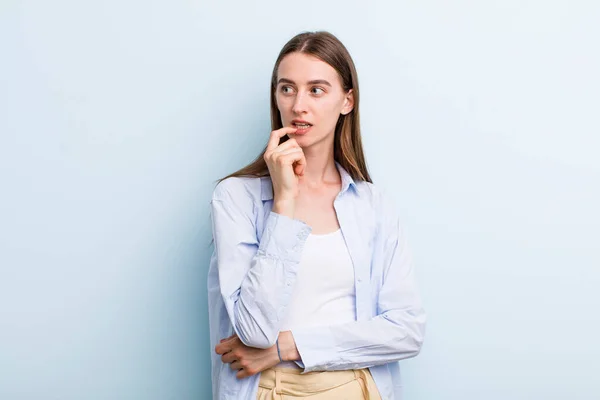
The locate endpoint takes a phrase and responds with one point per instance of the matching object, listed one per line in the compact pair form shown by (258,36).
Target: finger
(290,158)
(300,165)
(227,338)
(299,169)
(278,134)
(235,365)
(228,357)
(246,372)
(288,144)
(280,157)
(285,152)
(223,348)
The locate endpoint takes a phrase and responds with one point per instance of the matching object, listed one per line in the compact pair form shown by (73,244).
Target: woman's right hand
(286,162)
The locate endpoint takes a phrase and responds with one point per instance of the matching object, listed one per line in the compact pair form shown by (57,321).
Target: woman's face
(310,90)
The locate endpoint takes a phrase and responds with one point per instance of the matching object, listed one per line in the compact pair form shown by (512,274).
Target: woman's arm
(255,279)
(396,332)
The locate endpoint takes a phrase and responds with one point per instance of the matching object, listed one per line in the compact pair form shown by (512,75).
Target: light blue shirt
(252,271)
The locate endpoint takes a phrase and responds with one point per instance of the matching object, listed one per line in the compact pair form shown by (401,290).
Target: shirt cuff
(284,237)
(316,347)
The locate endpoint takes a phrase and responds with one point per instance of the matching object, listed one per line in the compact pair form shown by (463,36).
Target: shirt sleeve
(395,333)
(255,279)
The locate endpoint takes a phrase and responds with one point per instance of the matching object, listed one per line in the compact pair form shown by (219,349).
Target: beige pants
(280,383)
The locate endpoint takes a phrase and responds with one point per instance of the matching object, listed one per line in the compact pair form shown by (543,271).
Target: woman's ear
(348,102)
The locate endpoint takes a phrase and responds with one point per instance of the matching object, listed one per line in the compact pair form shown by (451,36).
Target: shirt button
(359,280)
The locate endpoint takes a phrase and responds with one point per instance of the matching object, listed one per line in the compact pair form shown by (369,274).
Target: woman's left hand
(247,360)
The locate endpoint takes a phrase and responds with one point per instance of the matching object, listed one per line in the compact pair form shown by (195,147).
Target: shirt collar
(267,185)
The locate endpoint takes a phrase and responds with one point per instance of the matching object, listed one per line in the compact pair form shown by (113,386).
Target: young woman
(311,283)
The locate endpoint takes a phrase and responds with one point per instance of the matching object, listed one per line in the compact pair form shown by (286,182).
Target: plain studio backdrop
(480,118)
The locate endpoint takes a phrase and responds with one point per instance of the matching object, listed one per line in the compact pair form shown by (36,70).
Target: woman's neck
(320,170)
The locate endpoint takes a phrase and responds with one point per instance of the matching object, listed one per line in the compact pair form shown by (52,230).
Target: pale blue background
(479,117)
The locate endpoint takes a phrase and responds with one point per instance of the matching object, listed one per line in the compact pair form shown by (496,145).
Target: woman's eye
(284,89)
(319,90)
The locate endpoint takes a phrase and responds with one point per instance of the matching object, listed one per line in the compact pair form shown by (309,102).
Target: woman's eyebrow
(313,82)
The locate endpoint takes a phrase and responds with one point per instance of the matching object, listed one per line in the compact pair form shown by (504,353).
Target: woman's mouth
(302,128)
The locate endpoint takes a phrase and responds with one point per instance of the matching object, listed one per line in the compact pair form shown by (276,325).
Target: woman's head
(308,88)
(314,80)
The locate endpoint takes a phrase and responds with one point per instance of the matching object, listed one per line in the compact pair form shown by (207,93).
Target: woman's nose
(299,104)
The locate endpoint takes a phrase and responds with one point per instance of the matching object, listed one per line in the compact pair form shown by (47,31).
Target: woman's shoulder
(238,187)
(370,191)
(379,197)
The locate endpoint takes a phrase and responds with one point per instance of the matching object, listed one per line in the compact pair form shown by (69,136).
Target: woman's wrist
(284,207)
(287,347)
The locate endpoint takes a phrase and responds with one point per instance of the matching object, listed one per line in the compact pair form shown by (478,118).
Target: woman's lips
(302,131)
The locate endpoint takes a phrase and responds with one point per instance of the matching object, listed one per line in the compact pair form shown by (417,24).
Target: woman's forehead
(303,68)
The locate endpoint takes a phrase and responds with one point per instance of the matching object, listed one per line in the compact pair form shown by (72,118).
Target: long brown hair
(348,150)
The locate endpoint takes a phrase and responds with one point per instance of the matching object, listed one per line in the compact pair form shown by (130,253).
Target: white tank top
(324,292)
